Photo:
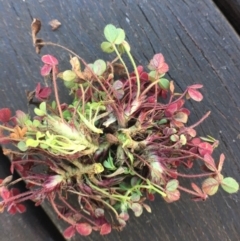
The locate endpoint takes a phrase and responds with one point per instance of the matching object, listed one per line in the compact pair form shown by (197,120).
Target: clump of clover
(114,146)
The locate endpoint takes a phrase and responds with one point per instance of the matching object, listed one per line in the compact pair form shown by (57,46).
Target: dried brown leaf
(55,24)
(35,27)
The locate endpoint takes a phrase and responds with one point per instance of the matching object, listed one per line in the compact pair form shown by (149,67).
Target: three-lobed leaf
(49,59)
(113,34)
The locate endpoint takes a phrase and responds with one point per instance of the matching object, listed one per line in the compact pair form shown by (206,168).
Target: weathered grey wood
(231,10)
(200,47)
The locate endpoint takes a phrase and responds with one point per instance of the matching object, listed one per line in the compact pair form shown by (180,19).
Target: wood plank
(199,46)
(231,10)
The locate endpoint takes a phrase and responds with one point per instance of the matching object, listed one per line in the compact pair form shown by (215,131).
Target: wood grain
(200,47)
(231,10)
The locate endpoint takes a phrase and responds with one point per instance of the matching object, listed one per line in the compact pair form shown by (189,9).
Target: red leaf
(12,209)
(69,232)
(14,191)
(46,69)
(221,161)
(42,93)
(172,196)
(49,59)
(191,132)
(84,229)
(180,103)
(5,193)
(144,76)
(195,95)
(196,188)
(188,164)
(186,111)
(150,196)
(158,63)
(209,162)
(18,167)
(171,109)
(105,229)
(5,115)
(151,99)
(196,141)
(21,208)
(205,148)
(124,216)
(196,86)
(140,69)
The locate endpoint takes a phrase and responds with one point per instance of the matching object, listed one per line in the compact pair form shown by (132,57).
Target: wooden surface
(199,45)
(231,10)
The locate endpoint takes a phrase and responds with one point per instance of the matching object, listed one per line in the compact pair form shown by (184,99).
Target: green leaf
(22,146)
(36,123)
(69,84)
(39,112)
(152,75)
(164,83)
(124,186)
(39,135)
(174,137)
(67,114)
(69,75)
(230,185)
(107,47)
(183,139)
(109,163)
(210,186)
(110,33)
(28,122)
(99,67)
(54,105)
(172,185)
(162,121)
(43,106)
(43,146)
(120,36)
(135,197)
(32,143)
(135,181)
(208,139)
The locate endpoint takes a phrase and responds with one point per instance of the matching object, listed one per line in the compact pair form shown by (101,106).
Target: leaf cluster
(123,139)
